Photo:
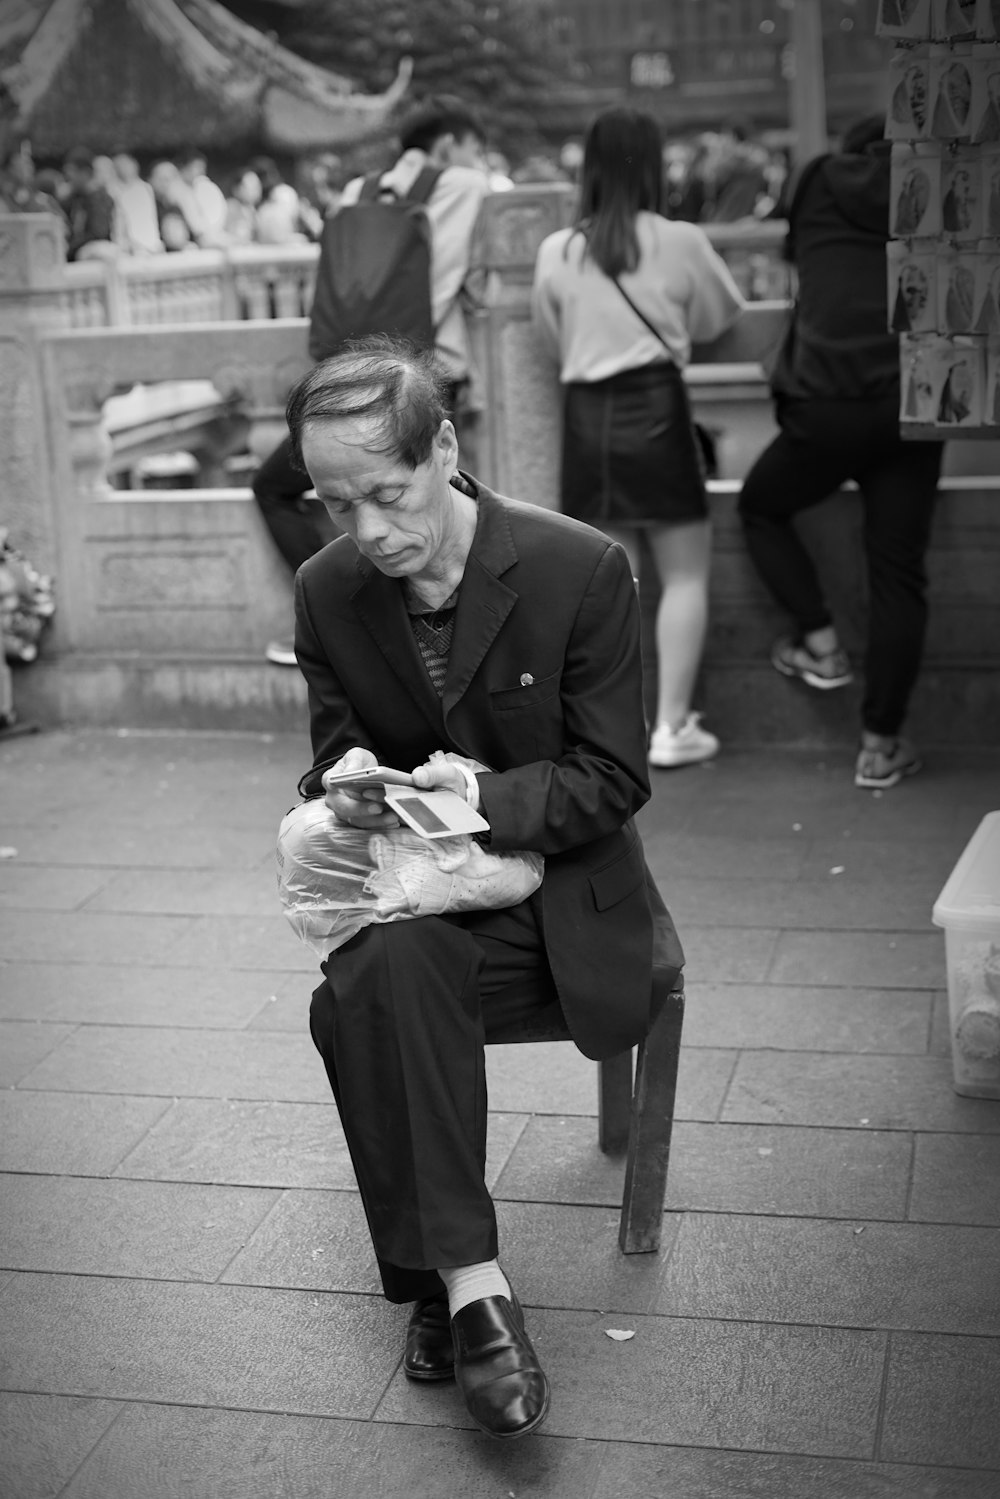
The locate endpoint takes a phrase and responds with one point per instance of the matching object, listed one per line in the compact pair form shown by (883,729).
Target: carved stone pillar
(32,303)
(520,449)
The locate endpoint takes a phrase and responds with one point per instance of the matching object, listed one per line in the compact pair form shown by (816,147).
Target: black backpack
(374,271)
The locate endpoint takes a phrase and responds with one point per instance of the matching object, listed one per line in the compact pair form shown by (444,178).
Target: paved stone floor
(189,1304)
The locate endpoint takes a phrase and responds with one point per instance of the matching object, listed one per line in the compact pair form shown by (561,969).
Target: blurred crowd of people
(112,207)
(717,176)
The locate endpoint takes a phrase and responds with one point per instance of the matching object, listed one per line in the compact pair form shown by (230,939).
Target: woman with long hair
(620,298)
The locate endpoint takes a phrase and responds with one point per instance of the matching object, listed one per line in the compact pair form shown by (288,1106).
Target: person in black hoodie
(836,392)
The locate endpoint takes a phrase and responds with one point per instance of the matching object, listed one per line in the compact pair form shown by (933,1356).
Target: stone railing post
(522,423)
(32,303)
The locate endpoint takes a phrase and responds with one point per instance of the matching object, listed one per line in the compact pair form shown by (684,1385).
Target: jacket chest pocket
(526,694)
(528,719)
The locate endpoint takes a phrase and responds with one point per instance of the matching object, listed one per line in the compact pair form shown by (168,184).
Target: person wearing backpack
(397,257)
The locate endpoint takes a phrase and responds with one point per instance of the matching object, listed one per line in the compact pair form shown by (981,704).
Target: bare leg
(682,556)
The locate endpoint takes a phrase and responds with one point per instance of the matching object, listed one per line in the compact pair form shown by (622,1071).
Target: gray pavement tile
(941,1401)
(699,1473)
(92,937)
(250,1144)
(822,1173)
(956,1179)
(723,1168)
(940,1042)
(912,1276)
(35,887)
(154,1230)
(727,955)
(874,960)
(557,1159)
(830,903)
(826,813)
(287,1007)
(870,861)
(503,1132)
(82,1134)
(552,1077)
(23,1044)
(797,1017)
(169,1452)
(560,1256)
(103,994)
(105,839)
(189,892)
(312,1240)
(678,857)
(912,1093)
(185,1064)
(240,1346)
(540,1079)
(693,1382)
(241,942)
(44,1439)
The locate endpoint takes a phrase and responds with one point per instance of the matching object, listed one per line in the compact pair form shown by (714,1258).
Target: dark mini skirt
(630,456)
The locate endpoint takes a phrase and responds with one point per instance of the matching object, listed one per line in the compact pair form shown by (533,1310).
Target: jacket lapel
(378,601)
(485,600)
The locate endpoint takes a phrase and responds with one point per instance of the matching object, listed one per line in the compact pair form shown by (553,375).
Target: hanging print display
(943,257)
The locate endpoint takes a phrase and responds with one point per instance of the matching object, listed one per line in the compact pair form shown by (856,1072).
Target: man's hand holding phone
(358,805)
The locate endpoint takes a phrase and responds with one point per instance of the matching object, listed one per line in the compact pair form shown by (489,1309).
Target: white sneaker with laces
(684,746)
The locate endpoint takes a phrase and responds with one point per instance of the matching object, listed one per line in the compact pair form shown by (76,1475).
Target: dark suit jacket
(543,597)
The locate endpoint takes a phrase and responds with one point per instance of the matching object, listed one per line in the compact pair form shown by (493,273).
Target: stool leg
(649,1137)
(614,1103)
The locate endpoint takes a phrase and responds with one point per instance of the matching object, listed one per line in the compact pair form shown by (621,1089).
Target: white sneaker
(683,746)
(281,652)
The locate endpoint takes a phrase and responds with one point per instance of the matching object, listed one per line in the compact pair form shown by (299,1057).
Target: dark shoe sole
(436,1376)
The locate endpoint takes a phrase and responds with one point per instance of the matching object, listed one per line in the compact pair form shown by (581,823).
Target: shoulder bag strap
(643,318)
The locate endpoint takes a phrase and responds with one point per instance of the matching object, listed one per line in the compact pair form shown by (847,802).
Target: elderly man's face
(402,519)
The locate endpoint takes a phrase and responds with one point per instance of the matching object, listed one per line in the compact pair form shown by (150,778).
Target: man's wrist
(471,784)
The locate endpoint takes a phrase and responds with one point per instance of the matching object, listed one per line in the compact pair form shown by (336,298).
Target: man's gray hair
(400,388)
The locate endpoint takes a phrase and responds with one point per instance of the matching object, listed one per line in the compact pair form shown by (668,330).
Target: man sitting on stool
(450,619)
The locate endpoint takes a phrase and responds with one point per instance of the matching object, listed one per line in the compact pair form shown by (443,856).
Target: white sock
(465,1283)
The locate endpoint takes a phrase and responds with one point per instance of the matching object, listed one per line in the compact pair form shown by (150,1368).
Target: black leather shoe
(430,1353)
(497,1369)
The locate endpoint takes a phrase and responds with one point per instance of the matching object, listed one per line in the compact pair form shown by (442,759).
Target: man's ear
(446,444)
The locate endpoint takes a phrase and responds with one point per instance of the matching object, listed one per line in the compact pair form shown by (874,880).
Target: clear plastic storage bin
(969,910)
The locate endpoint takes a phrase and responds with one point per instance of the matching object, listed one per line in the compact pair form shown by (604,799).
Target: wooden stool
(636,1118)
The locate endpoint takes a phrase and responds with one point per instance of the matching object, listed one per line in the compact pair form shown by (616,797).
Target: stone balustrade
(166,598)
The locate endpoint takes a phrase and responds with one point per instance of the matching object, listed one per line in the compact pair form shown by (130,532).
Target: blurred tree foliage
(506,58)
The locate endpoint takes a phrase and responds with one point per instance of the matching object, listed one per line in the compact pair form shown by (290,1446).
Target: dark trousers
(297,525)
(820,445)
(401,1021)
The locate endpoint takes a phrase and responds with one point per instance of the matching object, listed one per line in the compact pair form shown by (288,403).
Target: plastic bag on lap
(334,879)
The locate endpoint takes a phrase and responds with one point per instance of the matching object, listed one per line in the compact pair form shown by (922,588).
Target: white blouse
(681,284)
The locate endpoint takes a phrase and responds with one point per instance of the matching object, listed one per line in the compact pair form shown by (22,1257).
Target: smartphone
(371,775)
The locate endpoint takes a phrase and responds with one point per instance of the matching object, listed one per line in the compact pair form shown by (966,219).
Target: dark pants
(401,1020)
(297,525)
(820,445)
